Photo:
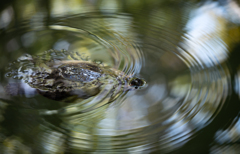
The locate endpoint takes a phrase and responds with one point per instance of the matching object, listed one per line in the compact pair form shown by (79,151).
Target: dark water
(187,52)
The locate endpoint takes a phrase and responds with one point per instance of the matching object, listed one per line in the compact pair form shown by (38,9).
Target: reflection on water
(187,53)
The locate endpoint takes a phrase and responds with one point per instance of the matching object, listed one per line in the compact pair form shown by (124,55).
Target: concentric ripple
(185,67)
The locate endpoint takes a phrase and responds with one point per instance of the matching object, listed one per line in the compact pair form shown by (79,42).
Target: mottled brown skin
(69,80)
(59,77)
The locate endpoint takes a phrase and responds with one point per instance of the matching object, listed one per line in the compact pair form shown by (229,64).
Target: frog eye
(136,82)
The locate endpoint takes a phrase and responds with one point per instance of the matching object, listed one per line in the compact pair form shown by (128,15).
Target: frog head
(135,83)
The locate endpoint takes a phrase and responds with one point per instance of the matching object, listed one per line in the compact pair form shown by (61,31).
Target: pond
(126,76)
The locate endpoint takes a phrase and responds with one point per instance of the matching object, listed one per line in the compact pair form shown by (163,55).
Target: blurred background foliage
(25,27)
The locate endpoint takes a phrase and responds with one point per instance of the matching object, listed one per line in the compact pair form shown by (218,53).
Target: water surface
(187,52)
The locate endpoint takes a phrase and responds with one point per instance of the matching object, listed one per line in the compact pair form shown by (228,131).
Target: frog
(67,79)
